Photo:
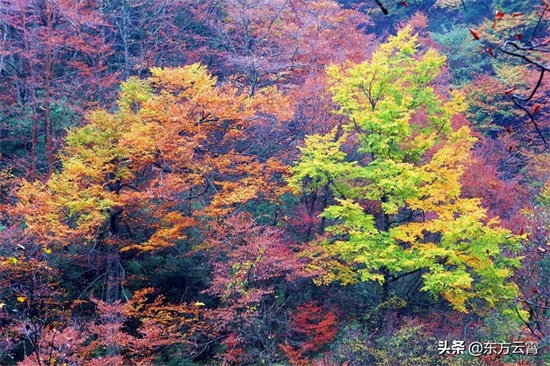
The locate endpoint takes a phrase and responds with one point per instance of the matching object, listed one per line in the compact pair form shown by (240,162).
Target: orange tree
(143,179)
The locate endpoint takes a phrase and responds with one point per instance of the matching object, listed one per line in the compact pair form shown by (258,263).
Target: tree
(312,328)
(117,334)
(264,42)
(398,215)
(51,51)
(521,37)
(129,178)
(141,179)
(148,33)
(254,271)
(536,266)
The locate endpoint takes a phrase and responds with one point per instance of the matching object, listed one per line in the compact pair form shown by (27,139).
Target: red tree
(53,57)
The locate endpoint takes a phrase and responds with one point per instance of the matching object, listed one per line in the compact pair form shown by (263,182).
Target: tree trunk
(113,271)
(113,281)
(48,114)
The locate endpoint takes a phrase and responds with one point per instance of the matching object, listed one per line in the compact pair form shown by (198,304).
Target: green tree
(398,211)
(465,56)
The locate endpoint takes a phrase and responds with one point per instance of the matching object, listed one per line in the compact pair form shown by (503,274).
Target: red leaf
(474,33)
(499,15)
(519,36)
(404,3)
(509,91)
(536,109)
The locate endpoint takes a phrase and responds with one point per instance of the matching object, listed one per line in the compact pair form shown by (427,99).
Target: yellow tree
(394,169)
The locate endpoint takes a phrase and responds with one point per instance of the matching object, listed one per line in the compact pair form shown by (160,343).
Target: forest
(275,182)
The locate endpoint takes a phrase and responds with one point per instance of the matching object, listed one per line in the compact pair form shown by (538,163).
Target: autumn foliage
(312,329)
(273,182)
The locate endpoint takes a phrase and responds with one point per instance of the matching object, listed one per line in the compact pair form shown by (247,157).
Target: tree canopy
(223,182)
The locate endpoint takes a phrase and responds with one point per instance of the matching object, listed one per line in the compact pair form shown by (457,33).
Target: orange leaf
(509,91)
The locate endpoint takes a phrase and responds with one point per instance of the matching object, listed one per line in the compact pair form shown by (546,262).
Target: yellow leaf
(21,298)
(47,250)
